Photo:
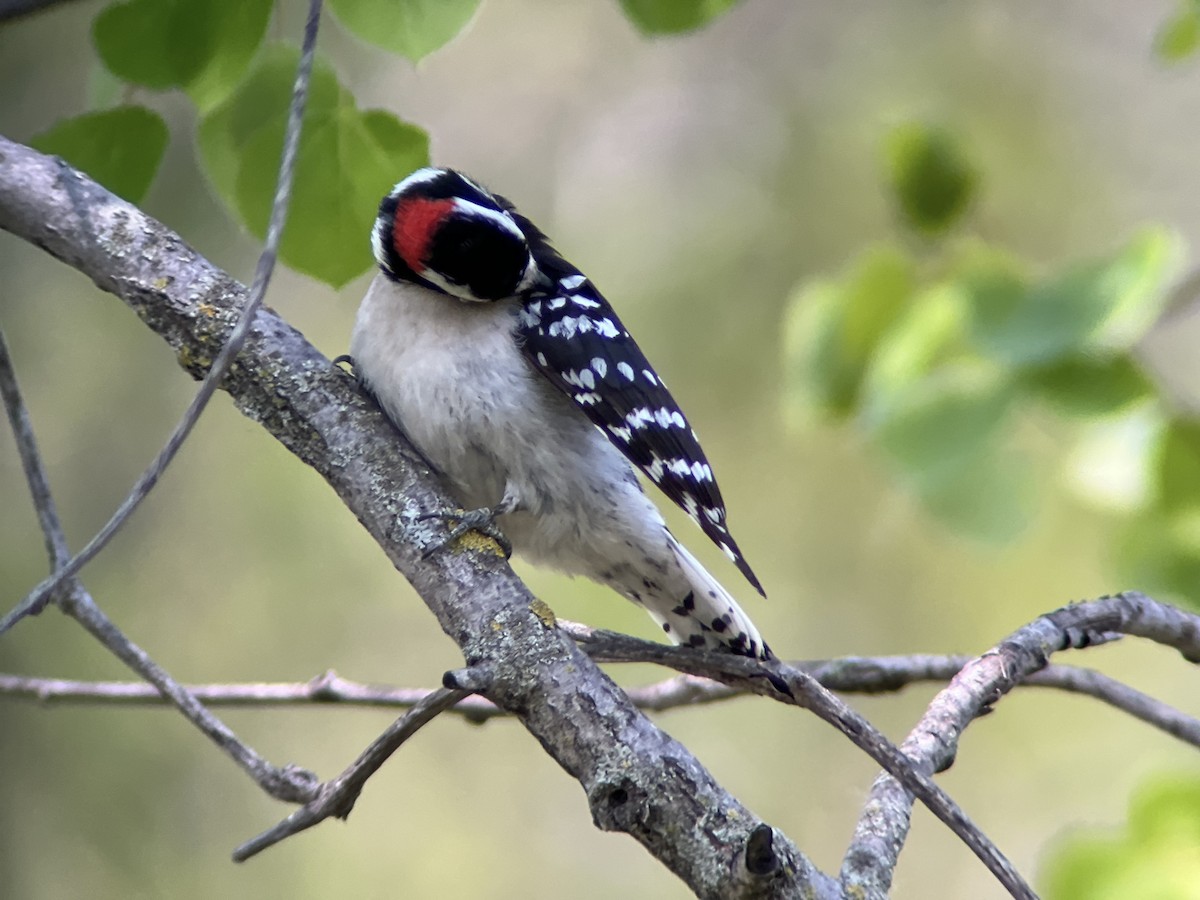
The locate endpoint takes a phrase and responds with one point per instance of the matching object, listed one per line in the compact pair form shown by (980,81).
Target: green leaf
(347,160)
(930,175)
(204,46)
(927,334)
(1176,466)
(240,27)
(1138,280)
(155,43)
(833,329)
(944,436)
(653,17)
(412,28)
(989,496)
(261,101)
(1087,385)
(1108,303)
(120,148)
(1180,35)
(945,424)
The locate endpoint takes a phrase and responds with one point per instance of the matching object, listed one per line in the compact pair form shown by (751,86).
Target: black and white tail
(696,611)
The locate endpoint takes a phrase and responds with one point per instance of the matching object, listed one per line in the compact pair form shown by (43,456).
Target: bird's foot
(482,520)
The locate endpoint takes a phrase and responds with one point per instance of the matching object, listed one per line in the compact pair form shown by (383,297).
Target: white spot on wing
(606,328)
(625,369)
(530,318)
(587,379)
(625,434)
(557,302)
(655,469)
(541,358)
(600,366)
(650,377)
(584,302)
(639,418)
(570,282)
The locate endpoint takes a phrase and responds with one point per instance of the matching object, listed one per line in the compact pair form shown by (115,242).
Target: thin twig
(337,797)
(37,599)
(285,784)
(31,459)
(850,675)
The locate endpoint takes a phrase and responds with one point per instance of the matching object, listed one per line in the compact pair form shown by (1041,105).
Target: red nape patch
(413,225)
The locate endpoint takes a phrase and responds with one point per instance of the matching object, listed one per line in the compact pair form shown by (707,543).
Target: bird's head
(440,229)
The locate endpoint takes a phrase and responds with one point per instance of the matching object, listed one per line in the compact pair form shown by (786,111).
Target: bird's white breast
(450,373)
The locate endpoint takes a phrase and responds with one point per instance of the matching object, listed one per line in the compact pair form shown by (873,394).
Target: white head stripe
(421,176)
(482,212)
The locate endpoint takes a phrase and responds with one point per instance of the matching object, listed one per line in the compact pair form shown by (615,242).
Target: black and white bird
(513,376)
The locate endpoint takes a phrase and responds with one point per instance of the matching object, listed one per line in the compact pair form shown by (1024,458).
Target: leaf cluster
(217,52)
(944,349)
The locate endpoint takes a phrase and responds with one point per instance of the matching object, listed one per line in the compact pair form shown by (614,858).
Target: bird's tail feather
(705,614)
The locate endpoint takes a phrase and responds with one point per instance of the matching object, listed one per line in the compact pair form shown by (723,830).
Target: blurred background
(697,180)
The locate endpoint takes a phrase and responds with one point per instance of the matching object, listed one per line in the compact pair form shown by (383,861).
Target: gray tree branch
(933,743)
(867,675)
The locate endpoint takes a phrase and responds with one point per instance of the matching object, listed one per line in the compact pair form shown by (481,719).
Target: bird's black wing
(571,334)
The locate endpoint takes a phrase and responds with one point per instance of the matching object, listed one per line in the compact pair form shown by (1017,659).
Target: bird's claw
(482,520)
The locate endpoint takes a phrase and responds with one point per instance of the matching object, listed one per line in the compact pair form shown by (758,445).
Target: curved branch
(636,778)
(868,865)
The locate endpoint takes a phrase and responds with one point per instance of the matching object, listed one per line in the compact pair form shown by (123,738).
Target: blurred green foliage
(654,17)
(931,178)
(1155,857)
(1179,36)
(937,353)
